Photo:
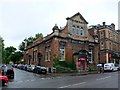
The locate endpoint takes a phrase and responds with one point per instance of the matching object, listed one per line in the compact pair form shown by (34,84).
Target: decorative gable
(77,25)
(78,18)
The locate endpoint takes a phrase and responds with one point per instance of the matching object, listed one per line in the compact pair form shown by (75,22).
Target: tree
(15,57)
(1,49)
(11,49)
(8,52)
(22,46)
(28,41)
(38,35)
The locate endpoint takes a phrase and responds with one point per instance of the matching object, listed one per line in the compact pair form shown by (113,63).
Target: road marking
(72,85)
(103,78)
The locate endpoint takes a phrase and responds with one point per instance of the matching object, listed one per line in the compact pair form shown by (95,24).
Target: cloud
(24,18)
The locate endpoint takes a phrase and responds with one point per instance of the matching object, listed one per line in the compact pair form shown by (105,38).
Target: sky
(20,19)
(119,15)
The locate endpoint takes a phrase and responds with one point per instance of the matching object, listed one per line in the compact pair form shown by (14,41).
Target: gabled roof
(78,14)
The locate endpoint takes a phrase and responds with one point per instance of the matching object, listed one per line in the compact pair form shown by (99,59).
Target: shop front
(113,58)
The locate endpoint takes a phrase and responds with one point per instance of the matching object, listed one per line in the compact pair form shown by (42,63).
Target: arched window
(81,31)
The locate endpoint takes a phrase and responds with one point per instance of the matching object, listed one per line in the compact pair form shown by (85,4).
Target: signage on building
(109,55)
(81,59)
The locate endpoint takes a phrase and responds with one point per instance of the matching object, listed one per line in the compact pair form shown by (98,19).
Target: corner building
(73,42)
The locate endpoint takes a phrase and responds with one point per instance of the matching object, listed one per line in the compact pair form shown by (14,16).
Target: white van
(110,67)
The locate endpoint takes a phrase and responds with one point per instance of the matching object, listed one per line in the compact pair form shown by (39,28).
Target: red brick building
(109,42)
(66,44)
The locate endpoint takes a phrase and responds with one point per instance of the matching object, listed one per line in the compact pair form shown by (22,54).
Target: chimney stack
(103,23)
(113,26)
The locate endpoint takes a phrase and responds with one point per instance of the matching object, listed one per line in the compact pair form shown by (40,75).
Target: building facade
(109,42)
(73,42)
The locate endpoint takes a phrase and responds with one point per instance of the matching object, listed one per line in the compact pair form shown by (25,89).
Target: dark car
(9,71)
(40,70)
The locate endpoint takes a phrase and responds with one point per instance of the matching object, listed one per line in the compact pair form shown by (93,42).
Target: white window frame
(62,53)
(47,53)
(35,56)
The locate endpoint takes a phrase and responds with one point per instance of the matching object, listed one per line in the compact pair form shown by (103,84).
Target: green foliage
(63,66)
(10,54)
(15,57)
(22,46)
(8,51)
(29,41)
(38,35)
(1,49)
(62,69)
(91,68)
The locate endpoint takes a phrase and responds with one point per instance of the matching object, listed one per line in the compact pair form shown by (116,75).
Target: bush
(63,66)
(61,69)
(91,68)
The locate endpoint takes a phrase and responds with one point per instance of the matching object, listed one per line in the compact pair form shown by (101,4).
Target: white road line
(103,78)
(72,85)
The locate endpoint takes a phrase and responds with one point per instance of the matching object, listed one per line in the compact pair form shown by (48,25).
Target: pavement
(71,74)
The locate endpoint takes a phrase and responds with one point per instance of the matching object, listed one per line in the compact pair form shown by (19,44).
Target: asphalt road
(24,79)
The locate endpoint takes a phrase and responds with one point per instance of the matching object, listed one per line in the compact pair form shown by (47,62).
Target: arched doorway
(82,56)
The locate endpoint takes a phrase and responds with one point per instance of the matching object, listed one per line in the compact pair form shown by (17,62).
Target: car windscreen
(9,66)
(43,67)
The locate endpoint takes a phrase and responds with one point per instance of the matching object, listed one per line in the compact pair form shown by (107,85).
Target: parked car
(40,70)
(9,71)
(25,67)
(20,66)
(110,67)
(117,65)
(30,68)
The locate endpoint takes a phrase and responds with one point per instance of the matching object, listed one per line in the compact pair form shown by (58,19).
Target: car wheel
(37,71)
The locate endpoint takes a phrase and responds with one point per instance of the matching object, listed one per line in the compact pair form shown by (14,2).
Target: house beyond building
(109,42)
(73,42)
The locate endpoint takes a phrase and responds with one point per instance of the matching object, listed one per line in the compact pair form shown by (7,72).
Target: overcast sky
(25,18)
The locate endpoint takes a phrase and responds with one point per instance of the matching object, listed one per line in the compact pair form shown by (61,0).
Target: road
(24,79)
